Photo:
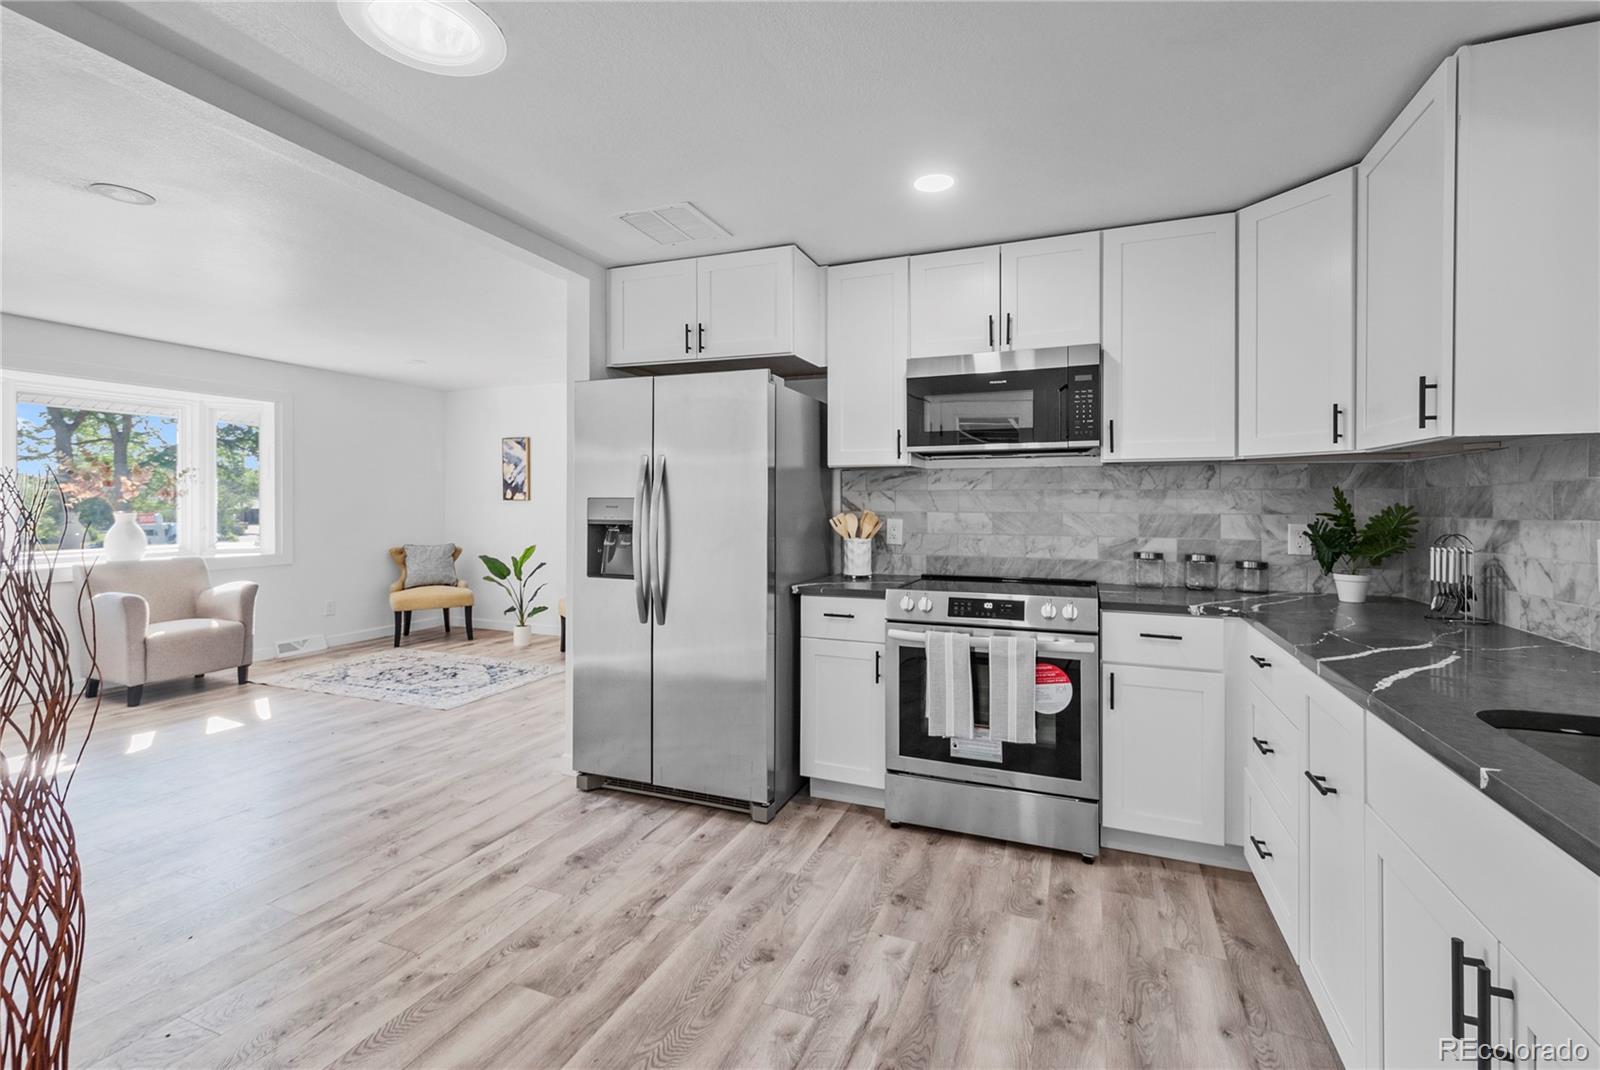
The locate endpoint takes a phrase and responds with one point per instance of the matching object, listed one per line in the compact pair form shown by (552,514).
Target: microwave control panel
(988,608)
(1083,404)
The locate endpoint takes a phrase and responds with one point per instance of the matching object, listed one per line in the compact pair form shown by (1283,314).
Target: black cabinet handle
(1320,783)
(702,336)
(687,348)
(1261,662)
(898,438)
(1112,697)
(1261,847)
(1423,386)
(877,666)
(991,330)
(841,616)
(1008,328)
(1160,635)
(1261,745)
(1487,1050)
(1336,413)
(1113,436)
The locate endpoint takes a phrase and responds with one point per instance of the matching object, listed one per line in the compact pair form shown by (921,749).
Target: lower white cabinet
(1533,1018)
(841,711)
(1162,760)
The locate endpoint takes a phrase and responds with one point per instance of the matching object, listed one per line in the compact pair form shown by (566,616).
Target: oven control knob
(1069,612)
(1048,611)
(906,602)
(926,604)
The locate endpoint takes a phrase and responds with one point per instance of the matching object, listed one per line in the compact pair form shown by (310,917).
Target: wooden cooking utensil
(851,525)
(869,524)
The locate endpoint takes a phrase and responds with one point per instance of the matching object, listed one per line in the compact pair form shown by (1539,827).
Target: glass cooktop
(1001,586)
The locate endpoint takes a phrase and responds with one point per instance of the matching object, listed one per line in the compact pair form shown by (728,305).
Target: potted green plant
(1335,538)
(514,579)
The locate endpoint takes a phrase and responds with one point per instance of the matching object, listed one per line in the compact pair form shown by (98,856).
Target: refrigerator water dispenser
(610,541)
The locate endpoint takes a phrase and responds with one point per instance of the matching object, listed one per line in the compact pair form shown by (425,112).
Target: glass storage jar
(1200,572)
(1149,569)
(1250,577)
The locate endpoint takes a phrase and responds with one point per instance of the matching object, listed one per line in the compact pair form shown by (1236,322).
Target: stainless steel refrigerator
(706,497)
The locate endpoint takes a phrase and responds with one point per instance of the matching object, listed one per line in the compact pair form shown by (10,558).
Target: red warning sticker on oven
(1052,688)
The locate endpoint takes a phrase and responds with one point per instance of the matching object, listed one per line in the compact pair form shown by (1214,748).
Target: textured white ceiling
(807,122)
(255,246)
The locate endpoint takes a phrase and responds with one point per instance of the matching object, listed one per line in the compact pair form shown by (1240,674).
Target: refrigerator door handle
(641,529)
(660,538)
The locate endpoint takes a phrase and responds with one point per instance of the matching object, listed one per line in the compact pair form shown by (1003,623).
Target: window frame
(197,415)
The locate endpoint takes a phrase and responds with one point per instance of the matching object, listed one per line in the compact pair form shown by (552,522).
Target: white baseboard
(1206,854)
(847,793)
(268,652)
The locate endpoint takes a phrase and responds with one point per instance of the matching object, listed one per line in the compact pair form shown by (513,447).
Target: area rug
(433,681)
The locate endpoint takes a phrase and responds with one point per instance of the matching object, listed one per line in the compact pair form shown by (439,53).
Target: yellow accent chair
(404,600)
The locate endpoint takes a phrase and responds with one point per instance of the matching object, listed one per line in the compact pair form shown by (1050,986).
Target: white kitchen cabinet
(1168,332)
(733,306)
(1297,320)
(1331,861)
(652,313)
(867,347)
(1527,325)
(1405,273)
(955,300)
(841,712)
(1050,292)
(1162,744)
(1532,1018)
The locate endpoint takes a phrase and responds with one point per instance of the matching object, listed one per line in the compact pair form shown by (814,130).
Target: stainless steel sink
(1572,739)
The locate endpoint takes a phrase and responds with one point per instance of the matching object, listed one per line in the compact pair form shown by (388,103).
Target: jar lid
(1251,565)
(1201,558)
(1147,555)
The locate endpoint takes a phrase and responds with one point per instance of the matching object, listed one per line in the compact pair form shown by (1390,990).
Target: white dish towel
(949,684)
(1011,688)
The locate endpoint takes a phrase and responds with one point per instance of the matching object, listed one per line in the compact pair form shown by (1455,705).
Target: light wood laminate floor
(286,879)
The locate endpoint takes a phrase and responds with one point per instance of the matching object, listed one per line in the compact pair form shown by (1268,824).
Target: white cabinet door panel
(1297,320)
(867,346)
(1162,766)
(1533,1019)
(842,730)
(1050,292)
(746,303)
(652,313)
(955,297)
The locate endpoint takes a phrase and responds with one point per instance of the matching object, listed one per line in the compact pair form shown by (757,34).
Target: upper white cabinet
(867,347)
(1527,337)
(1050,292)
(955,299)
(1405,273)
(762,303)
(1169,340)
(1297,320)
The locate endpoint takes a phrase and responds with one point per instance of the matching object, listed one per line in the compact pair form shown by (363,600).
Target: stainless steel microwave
(1026,401)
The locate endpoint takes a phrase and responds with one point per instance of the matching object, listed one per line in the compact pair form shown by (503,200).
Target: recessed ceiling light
(122,194)
(934,183)
(439,36)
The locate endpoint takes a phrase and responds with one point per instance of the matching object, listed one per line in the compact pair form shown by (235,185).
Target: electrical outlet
(328,608)
(1299,542)
(896,533)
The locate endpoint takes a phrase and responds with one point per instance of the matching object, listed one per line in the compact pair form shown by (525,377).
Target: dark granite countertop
(837,586)
(1428,680)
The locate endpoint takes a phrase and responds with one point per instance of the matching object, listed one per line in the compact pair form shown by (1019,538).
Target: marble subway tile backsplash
(1532,508)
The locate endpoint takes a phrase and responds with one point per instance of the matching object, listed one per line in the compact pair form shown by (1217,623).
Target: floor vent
(643,788)
(674,224)
(306,644)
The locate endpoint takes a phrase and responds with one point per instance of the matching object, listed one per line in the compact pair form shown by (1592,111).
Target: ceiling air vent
(674,224)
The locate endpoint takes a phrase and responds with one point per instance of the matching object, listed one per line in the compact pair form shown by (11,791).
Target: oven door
(1066,758)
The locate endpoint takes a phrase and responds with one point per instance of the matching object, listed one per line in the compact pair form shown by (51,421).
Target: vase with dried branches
(41,900)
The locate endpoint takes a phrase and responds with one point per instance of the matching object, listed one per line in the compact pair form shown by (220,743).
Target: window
(196,472)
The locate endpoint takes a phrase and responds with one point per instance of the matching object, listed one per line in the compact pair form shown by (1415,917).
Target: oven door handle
(1045,646)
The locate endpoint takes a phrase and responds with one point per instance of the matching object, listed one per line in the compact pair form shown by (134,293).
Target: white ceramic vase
(1351,587)
(521,635)
(858,558)
(125,541)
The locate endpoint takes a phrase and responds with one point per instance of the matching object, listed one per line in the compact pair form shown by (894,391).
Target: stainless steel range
(1045,793)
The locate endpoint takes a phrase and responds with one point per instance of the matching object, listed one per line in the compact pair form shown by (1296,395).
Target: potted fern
(513,579)
(1335,538)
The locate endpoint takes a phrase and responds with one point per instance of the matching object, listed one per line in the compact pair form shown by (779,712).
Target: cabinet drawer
(858,620)
(1273,757)
(1165,640)
(1275,671)
(1274,858)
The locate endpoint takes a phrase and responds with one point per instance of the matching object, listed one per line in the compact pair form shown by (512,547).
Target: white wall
(366,467)
(478,519)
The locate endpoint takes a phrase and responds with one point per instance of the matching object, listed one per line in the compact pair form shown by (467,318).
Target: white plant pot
(1351,587)
(125,541)
(858,558)
(521,635)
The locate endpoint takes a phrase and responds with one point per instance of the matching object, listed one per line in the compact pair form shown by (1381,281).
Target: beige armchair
(160,620)
(404,600)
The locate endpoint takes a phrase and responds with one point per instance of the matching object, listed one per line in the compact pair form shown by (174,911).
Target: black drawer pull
(841,616)
(1159,635)
(1482,1022)
(1320,783)
(1261,745)
(1261,847)
(877,666)
(1112,688)
(1261,663)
